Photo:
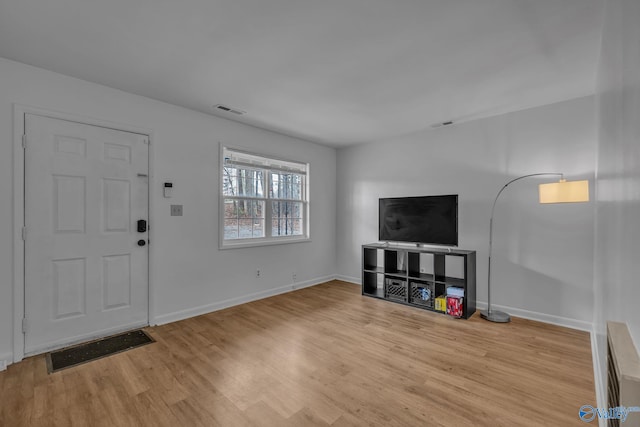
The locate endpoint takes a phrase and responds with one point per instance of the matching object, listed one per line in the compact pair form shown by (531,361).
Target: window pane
(258,209)
(242,182)
(230,208)
(257,212)
(286,219)
(275,185)
(244,218)
(297,227)
(258,228)
(296,209)
(296,191)
(258,184)
(245,228)
(230,229)
(286,186)
(229,181)
(244,208)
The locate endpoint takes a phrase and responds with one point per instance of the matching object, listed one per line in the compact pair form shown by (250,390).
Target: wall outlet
(176,210)
(294,277)
(257,272)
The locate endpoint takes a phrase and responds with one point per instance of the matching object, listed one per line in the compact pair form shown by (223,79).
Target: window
(264,200)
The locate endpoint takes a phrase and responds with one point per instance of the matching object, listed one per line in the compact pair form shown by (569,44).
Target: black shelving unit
(403,274)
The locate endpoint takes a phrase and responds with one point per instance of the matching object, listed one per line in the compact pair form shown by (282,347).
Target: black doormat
(72,356)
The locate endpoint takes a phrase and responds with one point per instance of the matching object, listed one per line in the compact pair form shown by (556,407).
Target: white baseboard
(540,317)
(5,360)
(208,308)
(518,312)
(355,280)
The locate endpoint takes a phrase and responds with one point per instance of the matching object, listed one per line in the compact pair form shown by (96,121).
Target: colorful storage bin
(454,306)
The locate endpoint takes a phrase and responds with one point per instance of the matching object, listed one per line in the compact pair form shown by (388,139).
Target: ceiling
(337,72)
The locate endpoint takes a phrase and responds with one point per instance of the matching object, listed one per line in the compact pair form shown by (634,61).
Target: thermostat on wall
(168,189)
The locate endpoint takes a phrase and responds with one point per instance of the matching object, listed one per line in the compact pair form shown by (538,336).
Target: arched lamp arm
(489,311)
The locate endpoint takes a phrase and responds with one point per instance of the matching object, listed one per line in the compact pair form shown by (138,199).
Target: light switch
(176,210)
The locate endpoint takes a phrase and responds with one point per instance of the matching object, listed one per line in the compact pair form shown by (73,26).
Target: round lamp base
(495,316)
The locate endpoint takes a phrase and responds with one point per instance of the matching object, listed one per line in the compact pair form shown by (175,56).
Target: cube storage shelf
(416,276)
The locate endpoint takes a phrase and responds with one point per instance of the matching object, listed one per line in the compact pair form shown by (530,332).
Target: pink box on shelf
(454,306)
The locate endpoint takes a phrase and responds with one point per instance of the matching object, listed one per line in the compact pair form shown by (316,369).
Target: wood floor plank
(320,356)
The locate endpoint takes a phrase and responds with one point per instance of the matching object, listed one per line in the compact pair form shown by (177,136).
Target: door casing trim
(18,271)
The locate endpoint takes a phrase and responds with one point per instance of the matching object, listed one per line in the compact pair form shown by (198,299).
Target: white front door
(86,262)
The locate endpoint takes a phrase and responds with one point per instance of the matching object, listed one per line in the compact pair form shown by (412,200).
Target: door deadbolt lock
(142,226)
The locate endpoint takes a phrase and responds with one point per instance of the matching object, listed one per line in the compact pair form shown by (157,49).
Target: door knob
(142,242)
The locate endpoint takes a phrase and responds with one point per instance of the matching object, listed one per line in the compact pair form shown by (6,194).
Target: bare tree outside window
(262,199)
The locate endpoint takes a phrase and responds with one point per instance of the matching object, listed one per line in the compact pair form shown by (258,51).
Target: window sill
(250,243)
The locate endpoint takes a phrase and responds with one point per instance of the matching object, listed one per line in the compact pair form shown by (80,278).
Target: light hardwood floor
(315,357)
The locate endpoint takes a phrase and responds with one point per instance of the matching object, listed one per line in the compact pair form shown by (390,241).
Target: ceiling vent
(226,109)
(437,125)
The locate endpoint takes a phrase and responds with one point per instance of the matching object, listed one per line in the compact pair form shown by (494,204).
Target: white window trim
(267,240)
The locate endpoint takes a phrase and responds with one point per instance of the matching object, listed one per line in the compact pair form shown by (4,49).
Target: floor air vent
(93,350)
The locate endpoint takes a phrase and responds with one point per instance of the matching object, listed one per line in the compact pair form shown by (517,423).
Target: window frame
(266,198)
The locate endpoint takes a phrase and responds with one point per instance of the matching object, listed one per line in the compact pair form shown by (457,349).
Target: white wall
(617,266)
(543,254)
(189,273)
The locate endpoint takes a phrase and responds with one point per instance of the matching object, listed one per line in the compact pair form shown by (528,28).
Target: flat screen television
(426,219)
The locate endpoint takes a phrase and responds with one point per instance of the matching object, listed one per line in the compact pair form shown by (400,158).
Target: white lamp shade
(564,192)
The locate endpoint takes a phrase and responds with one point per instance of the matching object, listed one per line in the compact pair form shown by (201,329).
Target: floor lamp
(562,191)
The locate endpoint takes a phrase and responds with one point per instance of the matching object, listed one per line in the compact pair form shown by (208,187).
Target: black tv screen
(426,219)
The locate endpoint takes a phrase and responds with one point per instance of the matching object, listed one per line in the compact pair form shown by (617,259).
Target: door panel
(116,281)
(85,190)
(116,194)
(69,283)
(69,194)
